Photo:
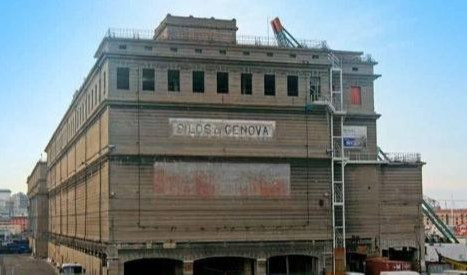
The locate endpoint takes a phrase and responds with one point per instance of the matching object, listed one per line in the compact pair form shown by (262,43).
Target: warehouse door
(292,265)
(154,266)
(224,266)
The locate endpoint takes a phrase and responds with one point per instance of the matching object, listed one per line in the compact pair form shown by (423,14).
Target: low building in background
(38,210)
(455,219)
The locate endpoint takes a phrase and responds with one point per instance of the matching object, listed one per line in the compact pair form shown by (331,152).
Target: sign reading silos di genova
(222,128)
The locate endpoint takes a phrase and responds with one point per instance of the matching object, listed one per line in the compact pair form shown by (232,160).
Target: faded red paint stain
(204,186)
(268,188)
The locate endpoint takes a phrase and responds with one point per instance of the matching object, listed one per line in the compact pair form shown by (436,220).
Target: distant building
(456,219)
(38,210)
(18,205)
(4,203)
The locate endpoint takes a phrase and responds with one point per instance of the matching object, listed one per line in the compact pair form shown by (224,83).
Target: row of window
(221,51)
(246,83)
(88,103)
(246,79)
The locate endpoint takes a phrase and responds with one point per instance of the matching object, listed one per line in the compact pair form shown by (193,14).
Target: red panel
(356,95)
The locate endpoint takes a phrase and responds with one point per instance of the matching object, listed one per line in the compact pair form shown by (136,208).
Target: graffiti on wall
(217,179)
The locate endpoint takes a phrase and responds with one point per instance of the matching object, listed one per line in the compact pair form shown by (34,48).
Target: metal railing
(272,42)
(129,34)
(206,37)
(403,157)
(360,156)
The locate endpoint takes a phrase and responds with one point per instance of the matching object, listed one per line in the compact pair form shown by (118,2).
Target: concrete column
(113,267)
(188,267)
(260,266)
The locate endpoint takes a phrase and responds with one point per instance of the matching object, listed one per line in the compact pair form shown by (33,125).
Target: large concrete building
(38,210)
(191,150)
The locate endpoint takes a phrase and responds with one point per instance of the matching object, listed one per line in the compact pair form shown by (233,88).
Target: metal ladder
(338,162)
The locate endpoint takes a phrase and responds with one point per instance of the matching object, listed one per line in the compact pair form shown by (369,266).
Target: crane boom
(283,37)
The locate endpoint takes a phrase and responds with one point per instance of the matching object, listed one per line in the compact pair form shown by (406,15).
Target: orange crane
(283,37)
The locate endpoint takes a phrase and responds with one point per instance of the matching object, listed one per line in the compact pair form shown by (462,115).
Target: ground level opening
(153,266)
(292,265)
(224,266)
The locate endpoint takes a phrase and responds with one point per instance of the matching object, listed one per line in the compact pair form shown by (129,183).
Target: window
(104,83)
(222,83)
(270,54)
(198,50)
(315,88)
(355,69)
(269,84)
(246,53)
(246,84)
(123,78)
(292,85)
(148,80)
(174,50)
(122,47)
(173,80)
(198,82)
(148,48)
(315,56)
(223,52)
(292,55)
(95,93)
(356,95)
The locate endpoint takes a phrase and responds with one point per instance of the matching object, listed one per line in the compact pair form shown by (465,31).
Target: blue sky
(47,49)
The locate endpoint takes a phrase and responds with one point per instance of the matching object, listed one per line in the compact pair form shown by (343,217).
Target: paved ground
(24,265)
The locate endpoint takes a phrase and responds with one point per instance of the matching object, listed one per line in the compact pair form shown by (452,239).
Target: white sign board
(222,128)
(355,137)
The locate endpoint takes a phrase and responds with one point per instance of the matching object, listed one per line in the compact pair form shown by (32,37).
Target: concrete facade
(116,201)
(38,210)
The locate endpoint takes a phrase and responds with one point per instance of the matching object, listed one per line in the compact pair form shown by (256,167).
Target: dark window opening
(122,47)
(148,80)
(148,48)
(292,55)
(198,50)
(270,54)
(123,78)
(222,83)
(292,85)
(356,95)
(315,56)
(246,84)
(173,49)
(315,88)
(223,52)
(246,53)
(173,80)
(104,83)
(198,82)
(355,69)
(269,84)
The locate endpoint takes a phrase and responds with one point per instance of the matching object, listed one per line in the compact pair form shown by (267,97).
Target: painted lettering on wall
(222,128)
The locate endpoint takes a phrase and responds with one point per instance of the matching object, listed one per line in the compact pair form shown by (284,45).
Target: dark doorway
(292,265)
(154,267)
(224,266)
